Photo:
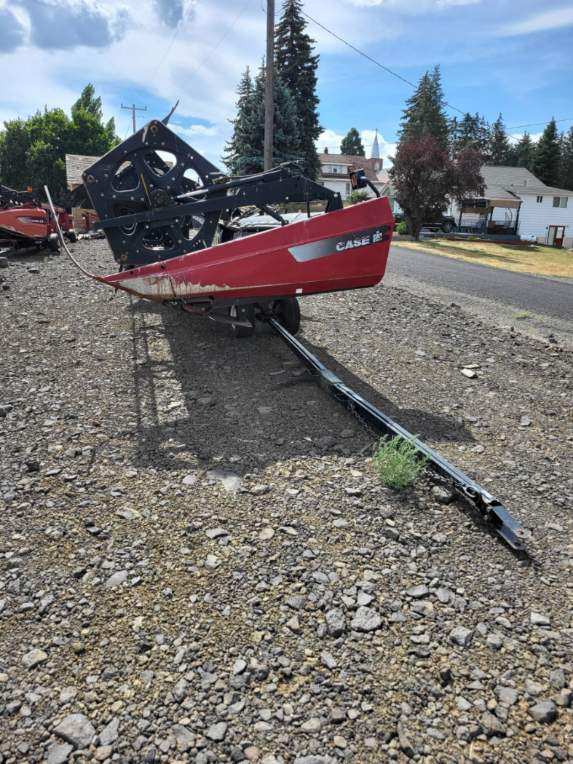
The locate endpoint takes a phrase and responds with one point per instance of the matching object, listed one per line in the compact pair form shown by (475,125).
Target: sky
(508,56)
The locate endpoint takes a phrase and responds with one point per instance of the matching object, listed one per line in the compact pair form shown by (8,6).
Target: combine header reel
(157,198)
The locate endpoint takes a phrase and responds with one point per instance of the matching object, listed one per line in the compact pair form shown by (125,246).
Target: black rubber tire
(246,312)
(287,312)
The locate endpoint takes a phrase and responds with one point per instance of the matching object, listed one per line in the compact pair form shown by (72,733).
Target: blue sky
(509,56)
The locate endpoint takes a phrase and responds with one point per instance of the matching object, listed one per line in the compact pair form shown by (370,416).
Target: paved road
(534,294)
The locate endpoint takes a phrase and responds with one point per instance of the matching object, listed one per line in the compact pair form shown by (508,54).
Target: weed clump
(398,462)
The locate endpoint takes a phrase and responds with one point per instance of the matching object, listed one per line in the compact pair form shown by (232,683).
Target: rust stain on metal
(166,287)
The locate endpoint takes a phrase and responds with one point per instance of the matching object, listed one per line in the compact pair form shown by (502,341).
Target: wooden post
(269,95)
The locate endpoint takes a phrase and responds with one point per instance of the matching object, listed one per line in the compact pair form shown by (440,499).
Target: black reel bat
(148,172)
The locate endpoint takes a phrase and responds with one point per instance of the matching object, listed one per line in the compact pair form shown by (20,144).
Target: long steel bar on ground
(490,508)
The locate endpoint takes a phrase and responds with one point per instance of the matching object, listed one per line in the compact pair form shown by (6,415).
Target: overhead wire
(390,71)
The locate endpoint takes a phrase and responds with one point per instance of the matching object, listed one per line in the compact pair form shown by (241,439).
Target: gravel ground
(197,562)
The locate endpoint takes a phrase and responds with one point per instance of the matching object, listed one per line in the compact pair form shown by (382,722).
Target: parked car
(445,223)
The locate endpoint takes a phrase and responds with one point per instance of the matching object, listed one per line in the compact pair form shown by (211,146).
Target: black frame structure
(152,209)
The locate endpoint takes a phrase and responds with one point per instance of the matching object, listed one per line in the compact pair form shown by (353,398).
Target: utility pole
(133,108)
(269,94)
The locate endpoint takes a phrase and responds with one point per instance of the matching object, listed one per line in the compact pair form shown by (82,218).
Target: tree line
(439,159)
(296,123)
(33,150)
(550,158)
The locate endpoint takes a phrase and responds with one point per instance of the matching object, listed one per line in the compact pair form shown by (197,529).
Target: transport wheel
(244,312)
(287,312)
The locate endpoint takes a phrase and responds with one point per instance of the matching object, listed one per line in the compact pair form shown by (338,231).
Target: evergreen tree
(352,144)
(566,173)
(548,156)
(424,113)
(240,150)
(245,151)
(498,146)
(296,65)
(286,142)
(524,152)
(469,132)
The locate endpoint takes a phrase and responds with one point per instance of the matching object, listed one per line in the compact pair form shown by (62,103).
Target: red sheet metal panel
(24,222)
(346,249)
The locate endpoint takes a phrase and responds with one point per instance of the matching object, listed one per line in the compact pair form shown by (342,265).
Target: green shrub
(357,196)
(398,462)
(402,228)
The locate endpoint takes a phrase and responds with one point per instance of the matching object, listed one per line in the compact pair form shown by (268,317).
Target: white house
(515,201)
(334,171)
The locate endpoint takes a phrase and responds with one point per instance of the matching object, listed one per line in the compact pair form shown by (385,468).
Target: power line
(372,60)
(407,81)
(537,124)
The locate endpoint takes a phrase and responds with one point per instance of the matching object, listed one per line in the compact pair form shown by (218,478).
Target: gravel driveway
(198,564)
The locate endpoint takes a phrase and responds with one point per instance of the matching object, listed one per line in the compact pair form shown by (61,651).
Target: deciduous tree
(425,177)
(32,150)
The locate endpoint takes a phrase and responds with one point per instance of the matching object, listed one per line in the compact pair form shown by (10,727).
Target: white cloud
(539,22)
(12,31)
(412,6)
(61,24)
(331,140)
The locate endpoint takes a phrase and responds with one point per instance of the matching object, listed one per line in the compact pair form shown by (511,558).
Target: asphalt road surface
(536,294)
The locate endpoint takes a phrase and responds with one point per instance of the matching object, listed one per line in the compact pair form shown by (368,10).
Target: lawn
(524,258)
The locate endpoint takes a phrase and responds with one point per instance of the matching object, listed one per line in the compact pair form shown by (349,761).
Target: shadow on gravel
(201,396)
(426,425)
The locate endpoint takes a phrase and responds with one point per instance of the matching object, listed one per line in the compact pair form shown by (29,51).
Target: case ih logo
(337,244)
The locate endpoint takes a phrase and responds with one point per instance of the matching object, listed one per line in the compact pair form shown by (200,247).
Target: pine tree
(566,171)
(352,144)
(240,150)
(286,142)
(296,65)
(548,156)
(524,152)
(498,147)
(469,132)
(424,113)
(245,151)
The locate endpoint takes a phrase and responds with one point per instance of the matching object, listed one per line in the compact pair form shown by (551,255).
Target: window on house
(560,201)
(539,199)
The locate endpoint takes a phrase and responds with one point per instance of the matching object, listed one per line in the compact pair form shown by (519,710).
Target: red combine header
(173,222)
(26,224)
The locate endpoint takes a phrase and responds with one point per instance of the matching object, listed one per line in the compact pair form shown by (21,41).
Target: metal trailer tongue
(172,222)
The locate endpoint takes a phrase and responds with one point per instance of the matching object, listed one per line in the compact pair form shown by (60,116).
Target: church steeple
(375,147)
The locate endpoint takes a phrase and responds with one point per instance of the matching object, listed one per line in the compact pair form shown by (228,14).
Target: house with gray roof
(515,202)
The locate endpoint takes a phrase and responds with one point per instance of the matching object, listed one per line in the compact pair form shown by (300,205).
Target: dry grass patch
(533,258)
